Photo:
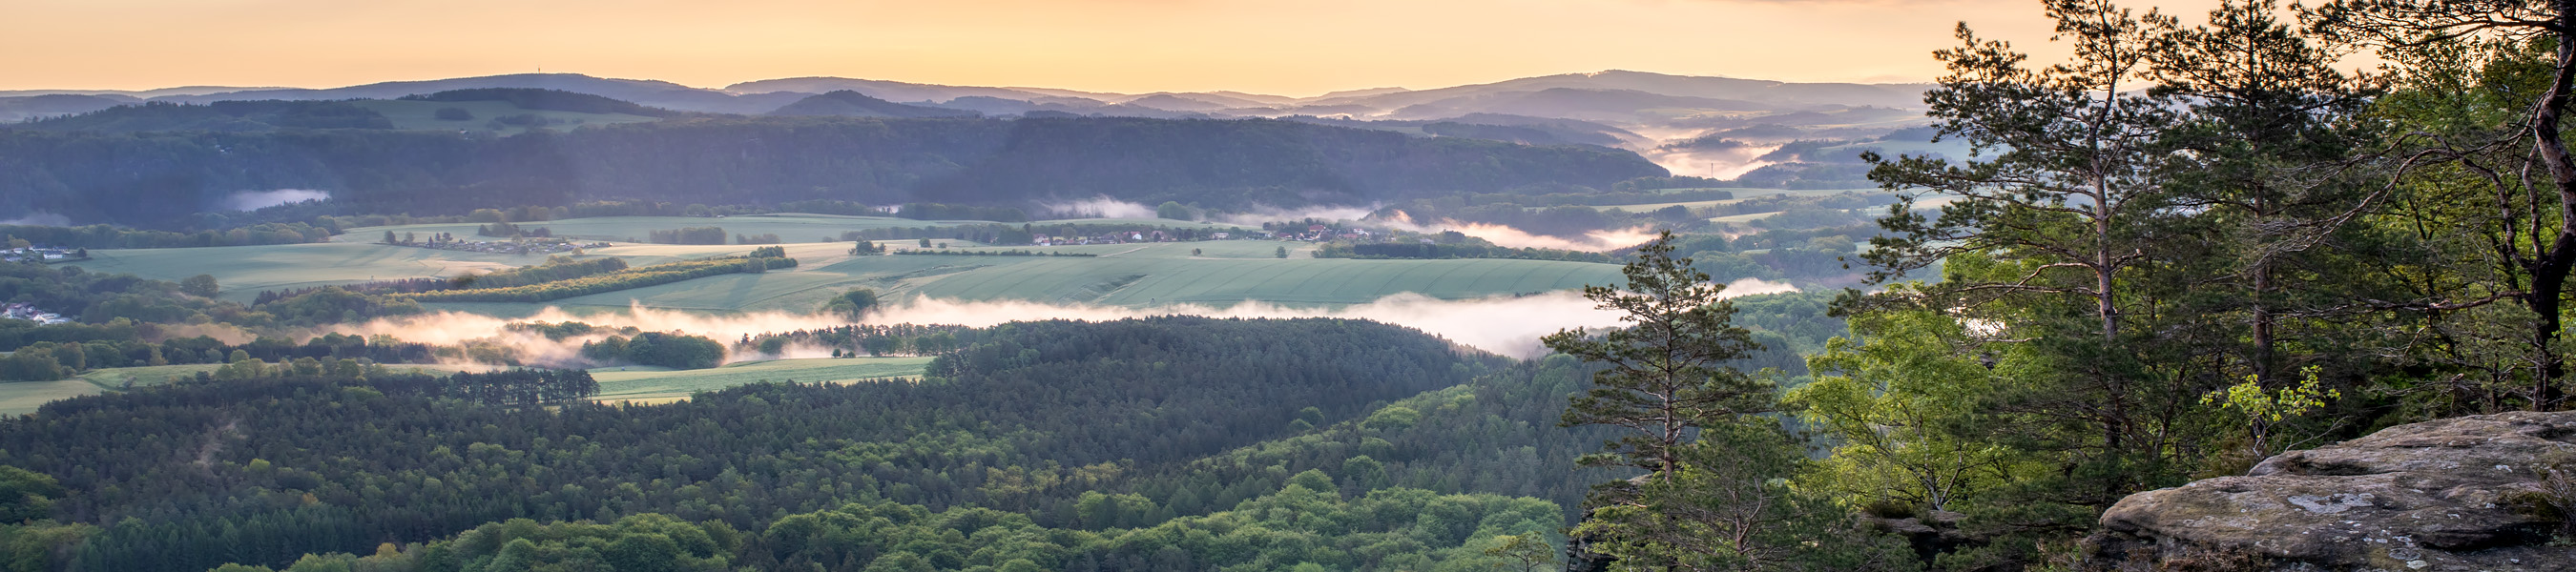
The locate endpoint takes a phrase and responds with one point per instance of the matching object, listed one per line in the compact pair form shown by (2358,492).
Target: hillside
(846,103)
(95,175)
(1037,419)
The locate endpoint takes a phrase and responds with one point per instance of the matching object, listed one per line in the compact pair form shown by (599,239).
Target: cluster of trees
(874,340)
(510,230)
(376,287)
(99,298)
(688,235)
(107,236)
(637,277)
(661,349)
(127,345)
(1010,424)
(556,269)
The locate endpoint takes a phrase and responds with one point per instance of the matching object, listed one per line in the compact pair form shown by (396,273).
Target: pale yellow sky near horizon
(1129,46)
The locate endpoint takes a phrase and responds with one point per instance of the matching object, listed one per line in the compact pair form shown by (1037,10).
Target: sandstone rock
(2455,494)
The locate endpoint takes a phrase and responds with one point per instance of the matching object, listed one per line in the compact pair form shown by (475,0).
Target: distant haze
(1128,46)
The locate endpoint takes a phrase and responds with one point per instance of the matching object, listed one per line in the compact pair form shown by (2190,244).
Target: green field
(790,227)
(422,115)
(648,385)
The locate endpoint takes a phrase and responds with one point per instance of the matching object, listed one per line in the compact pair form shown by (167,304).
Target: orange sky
(1297,48)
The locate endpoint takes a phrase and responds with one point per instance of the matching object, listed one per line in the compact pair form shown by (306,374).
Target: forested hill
(192,475)
(145,178)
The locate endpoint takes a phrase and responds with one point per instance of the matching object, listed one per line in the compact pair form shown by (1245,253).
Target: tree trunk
(2550,269)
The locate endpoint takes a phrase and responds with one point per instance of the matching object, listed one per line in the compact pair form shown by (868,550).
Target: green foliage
(854,304)
(675,351)
(202,286)
(1669,373)
(1892,398)
(605,282)
(1007,424)
(1175,211)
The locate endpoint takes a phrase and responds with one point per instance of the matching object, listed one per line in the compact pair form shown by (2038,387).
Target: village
(43,254)
(30,313)
(444,241)
(1312,233)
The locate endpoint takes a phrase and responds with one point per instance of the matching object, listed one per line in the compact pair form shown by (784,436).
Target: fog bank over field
(1507,325)
(39,219)
(1099,207)
(255,200)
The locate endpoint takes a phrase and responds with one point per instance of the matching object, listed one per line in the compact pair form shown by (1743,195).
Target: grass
(790,227)
(422,115)
(649,385)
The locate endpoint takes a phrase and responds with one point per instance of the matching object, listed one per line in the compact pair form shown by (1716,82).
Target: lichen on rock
(2467,493)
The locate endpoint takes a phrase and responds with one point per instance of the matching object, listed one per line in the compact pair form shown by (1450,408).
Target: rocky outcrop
(2468,493)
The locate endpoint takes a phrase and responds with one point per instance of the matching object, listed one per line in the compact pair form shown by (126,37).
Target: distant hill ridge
(846,103)
(764,96)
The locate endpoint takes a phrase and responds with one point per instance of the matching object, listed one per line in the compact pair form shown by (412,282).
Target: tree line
(630,278)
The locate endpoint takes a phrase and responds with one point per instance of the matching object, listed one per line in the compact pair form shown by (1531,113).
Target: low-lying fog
(1507,325)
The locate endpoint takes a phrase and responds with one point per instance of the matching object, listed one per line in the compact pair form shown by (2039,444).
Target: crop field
(647,385)
(1224,272)
(422,115)
(790,227)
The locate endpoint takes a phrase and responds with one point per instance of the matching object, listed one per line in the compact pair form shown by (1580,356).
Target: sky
(1301,48)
